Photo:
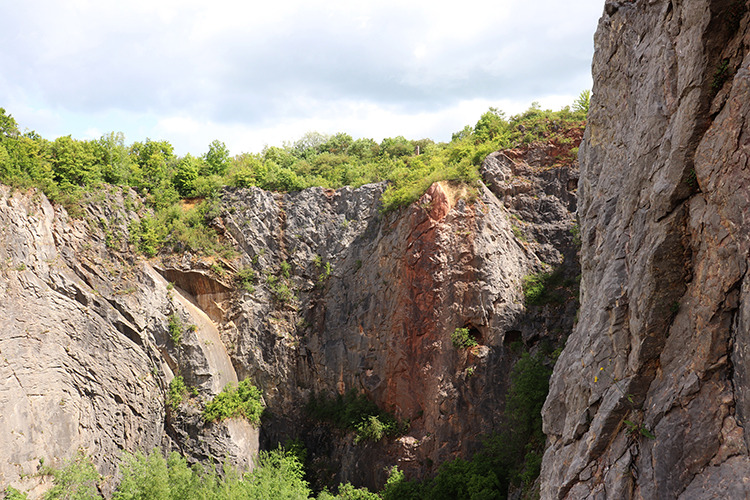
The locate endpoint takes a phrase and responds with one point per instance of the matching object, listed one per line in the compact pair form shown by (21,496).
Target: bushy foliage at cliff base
(280,474)
(245,400)
(68,170)
(277,475)
(354,412)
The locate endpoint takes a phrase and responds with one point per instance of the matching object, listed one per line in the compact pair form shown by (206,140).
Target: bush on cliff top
(67,169)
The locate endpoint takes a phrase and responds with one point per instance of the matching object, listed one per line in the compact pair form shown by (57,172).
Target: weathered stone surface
(344,298)
(380,323)
(659,347)
(85,352)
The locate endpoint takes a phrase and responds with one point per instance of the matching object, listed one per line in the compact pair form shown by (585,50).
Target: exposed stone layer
(649,397)
(400,284)
(85,351)
(344,298)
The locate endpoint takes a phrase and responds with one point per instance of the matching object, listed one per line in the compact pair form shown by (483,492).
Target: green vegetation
(241,401)
(323,268)
(349,492)
(581,105)
(279,287)
(177,392)
(70,171)
(245,278)
(354,412)
(279,474)
(175,328)
(721,75)
(490,472)
(638,430)
(548,287)
(11,493)
(75,480)
(462,339)
(575,232)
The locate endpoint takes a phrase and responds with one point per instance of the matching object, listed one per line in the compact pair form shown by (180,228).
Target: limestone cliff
(85,349)
(343,298)
(380,324)
(649,399)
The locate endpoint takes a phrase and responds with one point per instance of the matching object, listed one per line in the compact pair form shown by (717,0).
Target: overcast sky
(256,73)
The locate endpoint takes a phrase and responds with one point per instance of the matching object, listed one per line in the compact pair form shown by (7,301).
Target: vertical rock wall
(380,322)
(86,355)
(344,298)
(649,397)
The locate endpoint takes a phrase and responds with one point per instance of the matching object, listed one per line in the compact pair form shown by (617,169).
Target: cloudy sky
(256,73)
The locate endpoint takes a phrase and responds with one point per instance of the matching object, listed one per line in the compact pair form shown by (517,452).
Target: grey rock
(85,352)
(660,341)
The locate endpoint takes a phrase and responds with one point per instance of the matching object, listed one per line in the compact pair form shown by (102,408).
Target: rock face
(326,295)
(85,351)
(380,323)
(379,320)
(649,399)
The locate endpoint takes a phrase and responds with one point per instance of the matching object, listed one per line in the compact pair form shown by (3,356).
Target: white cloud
(251,73)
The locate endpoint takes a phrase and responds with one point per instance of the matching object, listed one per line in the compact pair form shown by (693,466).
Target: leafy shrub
(545,288)
(534,288)
(75,480)
(349,492)
(285,269)
(11,493)
(177,392)
(281,292)
(147,235)
(462,338)
(175,328)
(356,413)
(245,401)
(246,279)
(324,268)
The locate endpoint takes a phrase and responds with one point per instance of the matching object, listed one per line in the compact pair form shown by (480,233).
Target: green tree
(217,158)
(75,480)
(581,104)
(364,149)
(187,172)
(74,162)
(113,157)
(308,145)
(490,125)
(396,147)
(336,144)
(8,125)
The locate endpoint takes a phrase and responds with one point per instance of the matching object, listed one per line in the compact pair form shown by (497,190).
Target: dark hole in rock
(511,336)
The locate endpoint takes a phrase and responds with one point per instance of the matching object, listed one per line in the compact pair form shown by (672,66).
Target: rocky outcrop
(649,397)
(380,323)
(325,295)
(374,299)
(85,351)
